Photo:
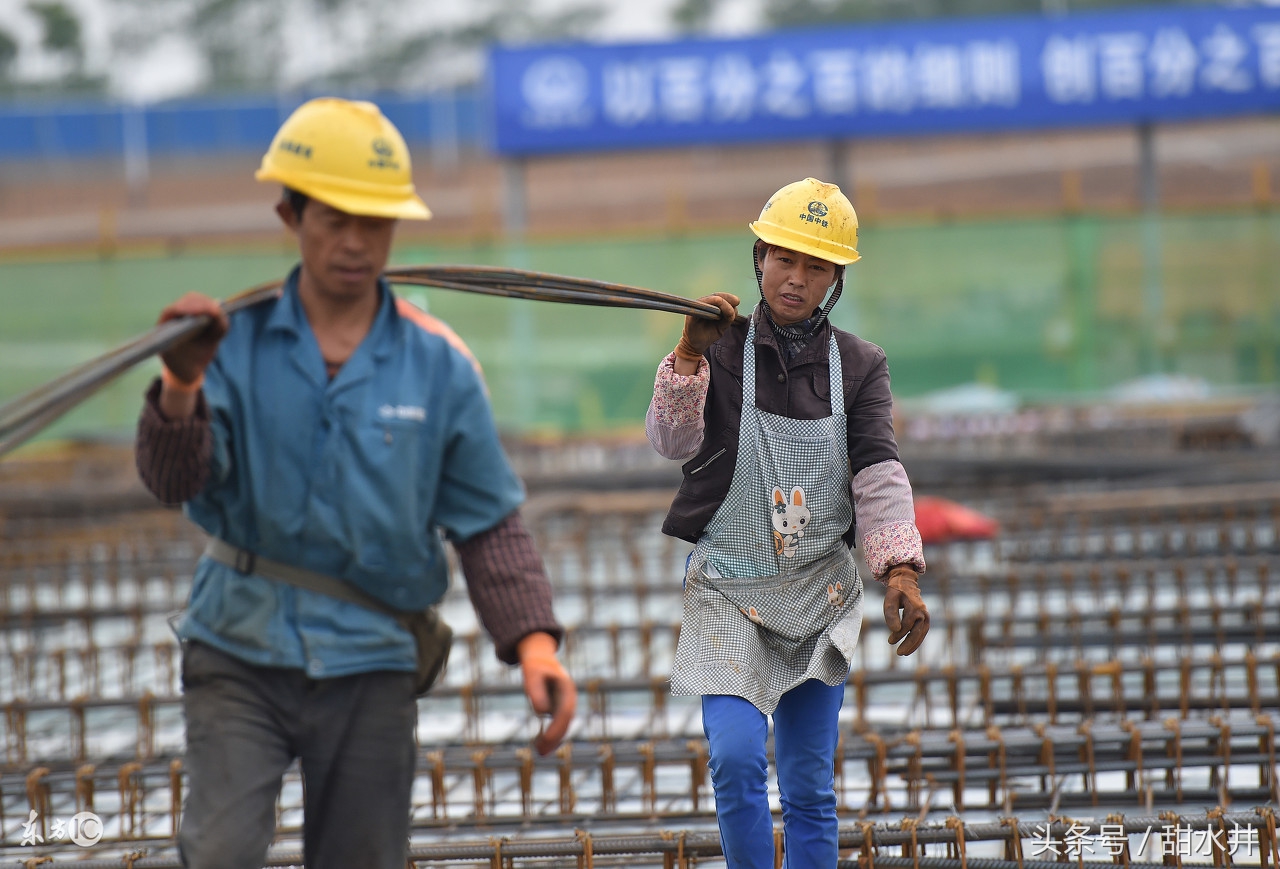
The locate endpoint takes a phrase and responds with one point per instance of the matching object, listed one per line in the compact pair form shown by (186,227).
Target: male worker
(330,433)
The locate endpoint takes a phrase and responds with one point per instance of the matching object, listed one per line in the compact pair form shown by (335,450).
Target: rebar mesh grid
(1108,652)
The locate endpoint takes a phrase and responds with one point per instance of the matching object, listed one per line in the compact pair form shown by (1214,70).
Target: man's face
(342,254)
(794,284)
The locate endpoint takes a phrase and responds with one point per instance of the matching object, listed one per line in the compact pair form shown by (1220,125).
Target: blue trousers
(805,730)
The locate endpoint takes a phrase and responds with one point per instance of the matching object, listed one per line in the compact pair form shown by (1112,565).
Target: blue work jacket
(355,477)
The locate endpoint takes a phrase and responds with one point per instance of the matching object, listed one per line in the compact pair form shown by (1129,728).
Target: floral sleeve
(674,421)
(886,531)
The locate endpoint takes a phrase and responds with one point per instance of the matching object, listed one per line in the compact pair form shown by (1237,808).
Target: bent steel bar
(27,415)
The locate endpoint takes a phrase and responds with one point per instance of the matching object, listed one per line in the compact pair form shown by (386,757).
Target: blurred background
(1071,252)
(1040,220)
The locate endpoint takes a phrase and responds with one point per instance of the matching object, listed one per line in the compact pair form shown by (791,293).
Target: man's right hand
(188,360)
(549,688)
(699,334)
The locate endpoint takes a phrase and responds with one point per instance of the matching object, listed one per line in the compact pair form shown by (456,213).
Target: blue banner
(1140,65)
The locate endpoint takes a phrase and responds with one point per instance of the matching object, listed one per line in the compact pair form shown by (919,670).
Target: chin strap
(792,332)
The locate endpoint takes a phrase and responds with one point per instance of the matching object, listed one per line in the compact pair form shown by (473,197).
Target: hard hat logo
(384,151)
(355,159)
(805,207)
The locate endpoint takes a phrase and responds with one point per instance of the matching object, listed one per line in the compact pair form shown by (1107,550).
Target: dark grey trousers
(246,724)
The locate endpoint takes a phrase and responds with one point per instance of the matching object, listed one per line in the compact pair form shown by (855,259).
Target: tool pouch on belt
(434,638)
(431,634)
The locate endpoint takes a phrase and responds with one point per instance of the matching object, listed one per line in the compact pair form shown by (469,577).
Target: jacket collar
(816,347)
(288,316)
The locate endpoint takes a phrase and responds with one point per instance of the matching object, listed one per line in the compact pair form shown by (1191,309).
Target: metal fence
(446,120)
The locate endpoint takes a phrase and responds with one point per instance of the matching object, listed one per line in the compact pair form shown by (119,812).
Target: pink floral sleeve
(674,421)
(891,545)
(886,530)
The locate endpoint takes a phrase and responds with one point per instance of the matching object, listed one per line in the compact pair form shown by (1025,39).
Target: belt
(244,561)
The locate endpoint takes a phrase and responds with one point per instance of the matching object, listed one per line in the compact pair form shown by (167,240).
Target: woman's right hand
(902,592)
(699,333)
(187,360)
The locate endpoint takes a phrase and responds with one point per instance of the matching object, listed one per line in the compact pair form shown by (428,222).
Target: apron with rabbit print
(771,595)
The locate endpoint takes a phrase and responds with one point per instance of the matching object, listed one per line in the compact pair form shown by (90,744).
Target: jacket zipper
(704,465)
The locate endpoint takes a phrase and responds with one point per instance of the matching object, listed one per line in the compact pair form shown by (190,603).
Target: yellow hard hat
(345,154)
(812,217)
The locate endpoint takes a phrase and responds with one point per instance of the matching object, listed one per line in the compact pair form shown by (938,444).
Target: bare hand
(549,688)
(903,593)
(699,334)
(188,360)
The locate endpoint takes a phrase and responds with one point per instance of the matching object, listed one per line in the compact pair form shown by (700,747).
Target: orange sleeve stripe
(432,326)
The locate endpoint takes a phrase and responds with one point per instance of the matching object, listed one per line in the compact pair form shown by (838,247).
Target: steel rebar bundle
(26,415)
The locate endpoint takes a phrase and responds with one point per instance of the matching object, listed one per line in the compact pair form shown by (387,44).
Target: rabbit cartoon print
(790,517)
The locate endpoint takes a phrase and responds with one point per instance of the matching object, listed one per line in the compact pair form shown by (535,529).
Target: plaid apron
(771,595)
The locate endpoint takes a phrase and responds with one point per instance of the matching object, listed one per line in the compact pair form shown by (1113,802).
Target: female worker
(786,424)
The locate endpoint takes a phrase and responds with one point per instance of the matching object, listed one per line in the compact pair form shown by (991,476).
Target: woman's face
(794,284)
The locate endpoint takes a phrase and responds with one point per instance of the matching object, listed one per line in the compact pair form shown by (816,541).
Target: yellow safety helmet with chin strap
(345,154)
(812,217)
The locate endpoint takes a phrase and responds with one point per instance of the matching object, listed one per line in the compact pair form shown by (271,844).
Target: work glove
(549,688)
(188,360)
(903,593)
(699,334)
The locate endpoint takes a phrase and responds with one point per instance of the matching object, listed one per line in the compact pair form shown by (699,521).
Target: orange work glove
(903,593)
(699,334)
(188,360)
(548,687)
